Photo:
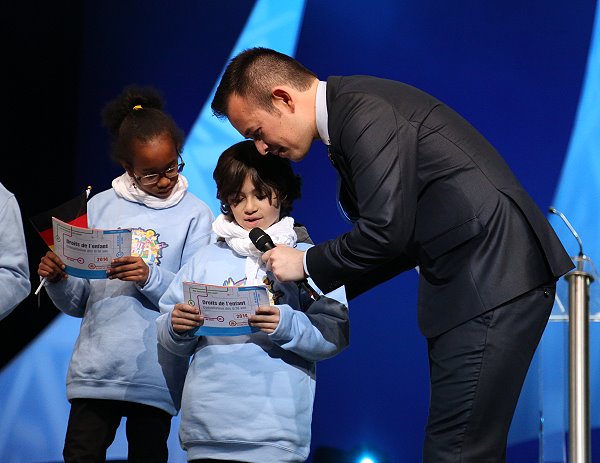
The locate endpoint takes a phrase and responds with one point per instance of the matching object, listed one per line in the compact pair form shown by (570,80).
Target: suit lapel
(346,195)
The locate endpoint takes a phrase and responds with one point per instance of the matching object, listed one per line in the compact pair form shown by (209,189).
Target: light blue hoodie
(250,397)
(14,267)
(117,356)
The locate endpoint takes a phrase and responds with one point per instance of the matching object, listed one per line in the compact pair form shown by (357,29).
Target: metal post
(579,380)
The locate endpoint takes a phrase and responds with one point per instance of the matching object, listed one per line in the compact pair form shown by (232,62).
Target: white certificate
(88,252)
(225,308)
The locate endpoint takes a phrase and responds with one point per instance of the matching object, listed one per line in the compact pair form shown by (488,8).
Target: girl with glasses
(117,368)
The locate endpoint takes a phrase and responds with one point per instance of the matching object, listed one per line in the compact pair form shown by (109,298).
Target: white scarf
(238,239)
(126,188)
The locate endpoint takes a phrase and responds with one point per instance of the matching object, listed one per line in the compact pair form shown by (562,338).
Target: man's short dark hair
(253,73)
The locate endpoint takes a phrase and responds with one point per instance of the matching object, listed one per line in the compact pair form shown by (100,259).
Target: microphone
(261,240)
(571,229)
(264,243)
(581,255)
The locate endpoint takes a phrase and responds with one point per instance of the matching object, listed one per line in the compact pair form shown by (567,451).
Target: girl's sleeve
(70,296)
(158,282)
(199,234)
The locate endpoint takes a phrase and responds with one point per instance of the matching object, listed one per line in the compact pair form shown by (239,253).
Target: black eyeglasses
(171,172)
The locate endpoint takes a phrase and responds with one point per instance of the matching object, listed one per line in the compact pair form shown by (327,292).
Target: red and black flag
(73,212)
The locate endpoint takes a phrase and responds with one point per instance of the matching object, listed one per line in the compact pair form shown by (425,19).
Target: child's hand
(266,318)
(128,269)
(52,268)
(185,317)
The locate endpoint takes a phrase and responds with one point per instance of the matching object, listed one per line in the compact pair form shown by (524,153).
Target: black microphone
(264,243)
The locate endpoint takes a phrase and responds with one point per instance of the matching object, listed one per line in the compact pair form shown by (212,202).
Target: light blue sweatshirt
(116,355)
(14,267)
(250,397)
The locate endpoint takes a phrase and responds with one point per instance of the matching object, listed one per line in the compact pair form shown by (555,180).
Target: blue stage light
(365,458)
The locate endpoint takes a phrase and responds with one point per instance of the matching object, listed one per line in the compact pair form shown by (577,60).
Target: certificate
(225,308)
(88,252)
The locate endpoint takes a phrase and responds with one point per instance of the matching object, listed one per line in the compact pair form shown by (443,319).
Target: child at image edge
(249,398)
(117,368)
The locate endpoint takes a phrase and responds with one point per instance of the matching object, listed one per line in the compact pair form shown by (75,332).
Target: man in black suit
(424,189)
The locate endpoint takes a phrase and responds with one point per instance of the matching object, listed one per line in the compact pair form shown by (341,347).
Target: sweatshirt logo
(145,244)
(231,282)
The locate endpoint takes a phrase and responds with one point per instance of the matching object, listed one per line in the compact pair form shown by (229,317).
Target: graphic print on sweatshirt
(145,244)
(274,295)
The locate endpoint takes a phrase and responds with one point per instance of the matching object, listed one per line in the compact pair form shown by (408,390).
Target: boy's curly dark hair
(269,173)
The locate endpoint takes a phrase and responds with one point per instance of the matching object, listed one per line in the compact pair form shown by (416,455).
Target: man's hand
(129,269)
(287,264)
(266,318)
(185,317)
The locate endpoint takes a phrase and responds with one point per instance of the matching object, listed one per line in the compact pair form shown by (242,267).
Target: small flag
(73,212)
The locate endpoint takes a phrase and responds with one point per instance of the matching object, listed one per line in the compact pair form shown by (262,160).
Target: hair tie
(137,106)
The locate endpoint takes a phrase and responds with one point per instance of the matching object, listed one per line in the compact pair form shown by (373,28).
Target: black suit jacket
(427,189)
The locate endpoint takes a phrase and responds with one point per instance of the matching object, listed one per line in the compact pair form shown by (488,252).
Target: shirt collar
(321,112)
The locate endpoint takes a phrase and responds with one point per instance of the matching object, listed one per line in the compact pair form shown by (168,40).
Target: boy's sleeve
(184,344)
(179,344)
(330,317)
(318,333)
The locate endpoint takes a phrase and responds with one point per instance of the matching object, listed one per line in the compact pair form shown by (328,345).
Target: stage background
(514,69)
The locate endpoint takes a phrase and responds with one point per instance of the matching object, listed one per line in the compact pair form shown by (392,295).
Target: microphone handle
(314,295)
(267,246)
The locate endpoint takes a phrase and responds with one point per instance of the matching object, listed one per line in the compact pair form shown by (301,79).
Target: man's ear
(281,96)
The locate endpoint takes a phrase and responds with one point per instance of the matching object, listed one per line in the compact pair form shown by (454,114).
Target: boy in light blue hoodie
(117,368)
(250,397)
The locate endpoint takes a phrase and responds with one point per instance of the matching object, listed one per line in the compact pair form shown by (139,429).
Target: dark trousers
(93,424)
(477,371)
